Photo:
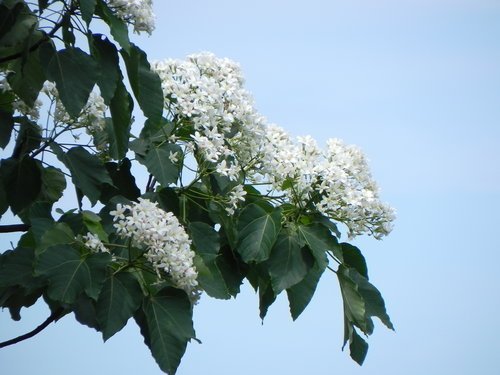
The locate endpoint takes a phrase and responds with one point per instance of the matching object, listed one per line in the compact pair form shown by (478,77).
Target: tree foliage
(213,214)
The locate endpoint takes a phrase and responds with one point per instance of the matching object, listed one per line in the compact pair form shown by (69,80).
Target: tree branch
(52,318)
(14,228)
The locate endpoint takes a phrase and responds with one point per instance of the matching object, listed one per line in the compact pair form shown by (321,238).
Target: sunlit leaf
(257,232)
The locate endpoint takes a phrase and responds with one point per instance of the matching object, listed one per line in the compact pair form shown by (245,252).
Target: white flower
(167,243)
(173,157)
(138,13)
(94,243)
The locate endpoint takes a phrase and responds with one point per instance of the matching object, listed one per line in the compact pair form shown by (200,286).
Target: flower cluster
(139,13)
(336,181)
(207,93)
(168,247)
(92,115)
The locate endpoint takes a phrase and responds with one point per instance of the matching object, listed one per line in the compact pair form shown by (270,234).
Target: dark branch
(14,228)
(52,318)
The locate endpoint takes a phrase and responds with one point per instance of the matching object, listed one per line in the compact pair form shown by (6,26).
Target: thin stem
(331,269)
(52,318)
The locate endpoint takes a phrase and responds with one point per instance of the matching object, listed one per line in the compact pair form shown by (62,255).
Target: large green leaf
(168,317)
(257,232)
(319,239)
(22,182)
(158,163)
(106,55)
(87,171)
(301,294)
(117,26)
(145,83)
(288,263)
(70,274)
(211,279)
(120,298)
(205,240)
(27,78)
(121,107)
(75,74)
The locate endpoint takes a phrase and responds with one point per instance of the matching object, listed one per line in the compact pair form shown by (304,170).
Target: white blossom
(139,13)
(167,243)
(94,243)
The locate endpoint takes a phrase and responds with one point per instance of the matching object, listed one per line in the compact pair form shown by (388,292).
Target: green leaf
(8,16)
(123,181)
(205,240)
(94,226)
(354,304)
(56,234)
(22,182)
(319,239)
(106,55)
(87,171)
(20,30)
(374,303)
(15,298)
(362,301)
(6,126)
(120,298)
(117,26)
(53,184)
(145,83)
(28,139)
(352,257)
(158,163)
(211,280)
(27,78)
(168,317)
(84,310)
(358,347)
(70,274)
(88,8)
(266,296)
(75,74)
(301,294)
(121,107)
(257,232)
(288,263)
(16,268)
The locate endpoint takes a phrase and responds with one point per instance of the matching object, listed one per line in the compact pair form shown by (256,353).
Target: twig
(52,318)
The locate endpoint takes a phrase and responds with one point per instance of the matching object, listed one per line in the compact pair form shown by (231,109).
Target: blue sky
(416,84)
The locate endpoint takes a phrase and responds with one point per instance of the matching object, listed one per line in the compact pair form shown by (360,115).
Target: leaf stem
(52,318)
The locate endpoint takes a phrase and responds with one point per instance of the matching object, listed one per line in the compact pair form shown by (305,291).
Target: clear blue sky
(416,84)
